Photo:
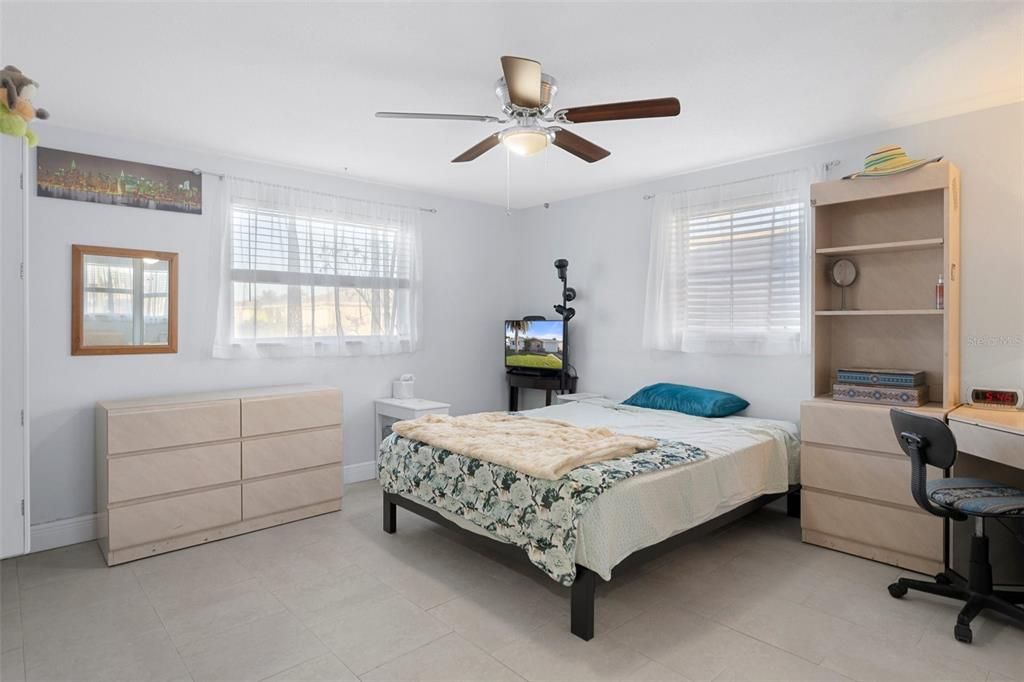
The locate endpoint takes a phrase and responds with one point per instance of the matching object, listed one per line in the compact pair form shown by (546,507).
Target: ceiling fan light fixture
(526,140)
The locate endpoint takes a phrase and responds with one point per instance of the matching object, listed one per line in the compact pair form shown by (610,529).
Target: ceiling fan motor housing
(548,89)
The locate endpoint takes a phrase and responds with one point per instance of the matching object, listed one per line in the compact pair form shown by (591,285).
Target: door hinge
(21,270)
(23,417)
(23,506)
(21,181)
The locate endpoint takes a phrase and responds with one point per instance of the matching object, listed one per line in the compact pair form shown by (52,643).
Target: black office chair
(927,440)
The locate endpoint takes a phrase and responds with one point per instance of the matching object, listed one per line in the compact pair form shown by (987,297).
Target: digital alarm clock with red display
(1000,398)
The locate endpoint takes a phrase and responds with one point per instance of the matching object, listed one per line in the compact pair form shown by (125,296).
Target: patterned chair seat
(976,496)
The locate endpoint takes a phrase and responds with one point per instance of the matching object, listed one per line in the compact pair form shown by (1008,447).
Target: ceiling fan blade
(578,146)
(618,111)
(522,77)
(438,117)
(479,148)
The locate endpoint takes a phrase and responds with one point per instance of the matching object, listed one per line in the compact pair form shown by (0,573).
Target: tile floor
(334,598)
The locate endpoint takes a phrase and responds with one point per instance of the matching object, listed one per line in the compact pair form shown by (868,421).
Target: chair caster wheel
(897,590)
(943,579)
(963,633)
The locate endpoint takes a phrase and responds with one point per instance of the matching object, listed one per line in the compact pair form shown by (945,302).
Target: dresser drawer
(876,476)
(276,454)
(273,414)
(168,471)
(137,524)
(899,530)
(865,427)
(290,491)
(167,426)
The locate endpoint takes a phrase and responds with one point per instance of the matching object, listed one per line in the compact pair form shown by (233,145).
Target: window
(318,282)
(728,269)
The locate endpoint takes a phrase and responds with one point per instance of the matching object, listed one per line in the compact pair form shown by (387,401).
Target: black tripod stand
(567,313)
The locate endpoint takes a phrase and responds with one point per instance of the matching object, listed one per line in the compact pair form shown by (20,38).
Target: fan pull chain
(508,182)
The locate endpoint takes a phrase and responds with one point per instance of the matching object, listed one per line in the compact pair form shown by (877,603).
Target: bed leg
(582,608)
(793,504)
(389,514)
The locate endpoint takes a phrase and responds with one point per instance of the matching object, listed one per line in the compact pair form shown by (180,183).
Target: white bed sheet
(747,458)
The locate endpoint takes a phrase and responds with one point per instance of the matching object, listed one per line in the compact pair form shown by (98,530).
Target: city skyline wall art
(115,182)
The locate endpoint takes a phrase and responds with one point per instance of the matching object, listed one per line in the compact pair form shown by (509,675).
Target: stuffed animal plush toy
(16,109)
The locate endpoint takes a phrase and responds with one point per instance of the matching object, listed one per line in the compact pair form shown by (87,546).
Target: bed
(738,465)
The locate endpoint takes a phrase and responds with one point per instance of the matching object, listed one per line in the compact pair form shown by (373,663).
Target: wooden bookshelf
(902,232)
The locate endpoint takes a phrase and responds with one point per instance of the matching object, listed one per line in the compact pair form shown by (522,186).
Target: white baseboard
(364,471)
(63,532)
(53,534)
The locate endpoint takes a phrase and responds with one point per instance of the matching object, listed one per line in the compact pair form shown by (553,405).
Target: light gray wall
(606,239)
(465,275)
(481,267)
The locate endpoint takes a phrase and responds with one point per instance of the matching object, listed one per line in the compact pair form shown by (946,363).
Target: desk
(995,435)
(991,445)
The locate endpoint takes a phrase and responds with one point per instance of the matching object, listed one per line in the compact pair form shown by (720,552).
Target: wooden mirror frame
(78,253)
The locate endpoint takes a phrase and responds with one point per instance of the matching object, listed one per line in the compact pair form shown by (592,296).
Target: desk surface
(995,435)
(1011,421)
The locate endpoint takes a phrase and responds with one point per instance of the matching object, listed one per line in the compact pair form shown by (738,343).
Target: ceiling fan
(526,95)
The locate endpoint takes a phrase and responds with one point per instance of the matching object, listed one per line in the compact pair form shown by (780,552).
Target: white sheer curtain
(310,274)
(729,268)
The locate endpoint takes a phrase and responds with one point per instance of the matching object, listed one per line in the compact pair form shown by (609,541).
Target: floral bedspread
(537,515)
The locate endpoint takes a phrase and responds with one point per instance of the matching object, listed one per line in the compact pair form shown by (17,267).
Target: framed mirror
(123,301)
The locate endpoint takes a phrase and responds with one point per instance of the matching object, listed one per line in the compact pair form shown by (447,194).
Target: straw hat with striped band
(889,160)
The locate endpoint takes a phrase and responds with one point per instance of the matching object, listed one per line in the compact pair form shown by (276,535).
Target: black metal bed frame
(585,587)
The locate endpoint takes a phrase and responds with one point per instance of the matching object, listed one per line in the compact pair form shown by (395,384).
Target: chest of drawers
(856,487)
(181,470)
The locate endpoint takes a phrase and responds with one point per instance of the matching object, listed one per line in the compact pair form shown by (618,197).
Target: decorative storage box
(881,377)
(881,395)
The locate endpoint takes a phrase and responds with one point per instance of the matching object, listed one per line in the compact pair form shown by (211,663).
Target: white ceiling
(297,84)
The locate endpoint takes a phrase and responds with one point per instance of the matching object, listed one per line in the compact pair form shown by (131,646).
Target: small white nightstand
(391,410)
(575,397)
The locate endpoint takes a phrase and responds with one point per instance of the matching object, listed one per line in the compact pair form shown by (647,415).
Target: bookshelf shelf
(932,409)
(874,313)
(882,247)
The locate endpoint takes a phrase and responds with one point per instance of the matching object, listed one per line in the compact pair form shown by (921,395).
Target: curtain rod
(221,176)
(826,167)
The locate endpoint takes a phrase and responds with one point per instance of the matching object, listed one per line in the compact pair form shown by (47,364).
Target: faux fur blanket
(542,448)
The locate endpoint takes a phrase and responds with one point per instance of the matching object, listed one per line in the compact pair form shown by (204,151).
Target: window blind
(304,273)
(742,271)
(728,269)
(272,246)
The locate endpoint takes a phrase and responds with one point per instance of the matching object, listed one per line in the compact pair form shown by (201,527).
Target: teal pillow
(700,402)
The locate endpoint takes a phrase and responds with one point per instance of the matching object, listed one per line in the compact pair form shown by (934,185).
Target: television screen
(533,345)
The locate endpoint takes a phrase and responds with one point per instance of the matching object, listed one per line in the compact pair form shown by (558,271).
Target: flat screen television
(534,345)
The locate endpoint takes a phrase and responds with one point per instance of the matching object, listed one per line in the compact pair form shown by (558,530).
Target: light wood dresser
(902,232)
(856,487)
(181,470)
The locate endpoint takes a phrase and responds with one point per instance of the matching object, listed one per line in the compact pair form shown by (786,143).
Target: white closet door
(14,525)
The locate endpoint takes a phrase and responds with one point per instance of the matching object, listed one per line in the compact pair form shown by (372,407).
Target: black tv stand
(538,379)
(532,372)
